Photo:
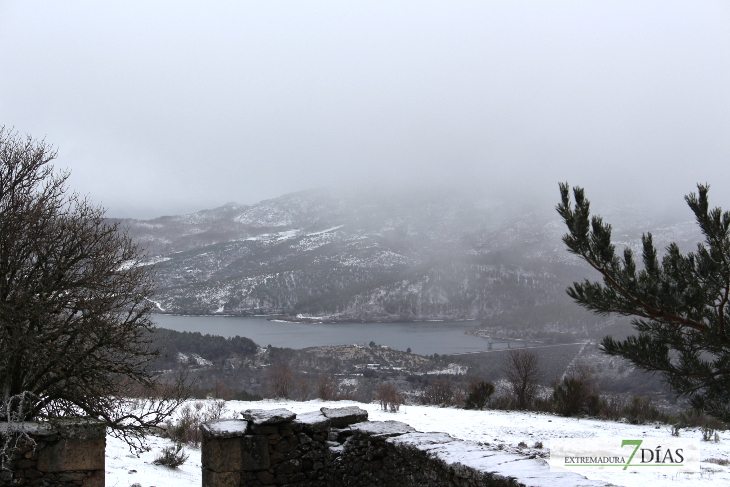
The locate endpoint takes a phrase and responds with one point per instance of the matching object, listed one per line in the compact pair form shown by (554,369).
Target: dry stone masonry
(63,453)
(340,447)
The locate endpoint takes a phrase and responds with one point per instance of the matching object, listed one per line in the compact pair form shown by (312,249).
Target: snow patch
(452,369)
(494,432)
(325,231)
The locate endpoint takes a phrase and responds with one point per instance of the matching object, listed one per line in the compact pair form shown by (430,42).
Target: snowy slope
(350,256)
(498,429)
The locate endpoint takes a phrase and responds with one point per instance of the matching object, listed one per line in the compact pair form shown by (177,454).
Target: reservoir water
(425,338)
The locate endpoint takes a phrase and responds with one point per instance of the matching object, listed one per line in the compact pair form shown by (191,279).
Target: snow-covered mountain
(367,256)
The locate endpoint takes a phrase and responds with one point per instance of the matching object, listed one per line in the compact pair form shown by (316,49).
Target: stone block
(221,479)
(313,422)
(255,453)
(342,435)
(382,428)
(31,473)
(268,416)
(222,454)
(297,477)
(342,417)
(277,457)
(264,429)
(283,446)
(281,480)
(293,454)
(266,478)
(313,455)
(97,479)
(78,428)
(289,467)
(71,477)
(224,428)
(73,454)
(25,463)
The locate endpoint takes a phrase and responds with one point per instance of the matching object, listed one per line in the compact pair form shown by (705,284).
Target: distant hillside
(331,255)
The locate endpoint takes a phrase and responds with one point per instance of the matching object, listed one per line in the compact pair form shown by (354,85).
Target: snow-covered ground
(498,429)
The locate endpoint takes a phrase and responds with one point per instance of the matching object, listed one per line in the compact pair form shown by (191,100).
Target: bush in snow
(389,397)
(569,397)
(479,395)
(187,427)
(522,370)
(439,393)
(172,456)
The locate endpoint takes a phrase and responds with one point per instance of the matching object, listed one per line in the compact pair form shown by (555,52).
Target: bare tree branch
(75,329)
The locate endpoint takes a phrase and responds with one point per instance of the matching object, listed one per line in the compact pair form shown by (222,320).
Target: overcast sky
(172,107)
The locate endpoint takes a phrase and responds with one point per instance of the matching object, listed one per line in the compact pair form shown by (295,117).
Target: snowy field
(499,429)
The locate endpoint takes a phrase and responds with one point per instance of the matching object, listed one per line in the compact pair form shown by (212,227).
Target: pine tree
(679,302)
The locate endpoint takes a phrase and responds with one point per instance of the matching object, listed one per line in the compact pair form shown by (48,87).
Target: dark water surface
(424,338)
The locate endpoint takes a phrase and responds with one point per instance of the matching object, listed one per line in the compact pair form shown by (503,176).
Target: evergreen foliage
(213,347)
(679,303)
(569,397)
(479,394)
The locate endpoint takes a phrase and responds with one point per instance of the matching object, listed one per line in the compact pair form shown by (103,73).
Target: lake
(425,337)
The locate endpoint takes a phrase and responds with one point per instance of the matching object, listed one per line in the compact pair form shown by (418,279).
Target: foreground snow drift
(498,429)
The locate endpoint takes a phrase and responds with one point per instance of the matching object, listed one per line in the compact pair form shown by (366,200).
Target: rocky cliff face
(378,256)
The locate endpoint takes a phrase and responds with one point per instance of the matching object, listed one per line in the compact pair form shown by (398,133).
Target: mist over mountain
(374,255)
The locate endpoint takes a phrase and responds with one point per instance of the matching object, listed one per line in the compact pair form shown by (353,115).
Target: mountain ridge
(348,256)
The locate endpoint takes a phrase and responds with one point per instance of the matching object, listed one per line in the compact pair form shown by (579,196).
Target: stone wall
(340,447)
(67,453)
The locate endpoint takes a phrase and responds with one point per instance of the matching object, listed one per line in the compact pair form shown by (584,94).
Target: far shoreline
(291,319)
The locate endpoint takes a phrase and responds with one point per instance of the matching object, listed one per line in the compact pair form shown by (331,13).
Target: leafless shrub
(521,369)
(439,393)
(280,380)
(172,456)
(708,433)
(327,387)
(612,406)
(221,391)
(641,410)
(389,397)
(304,387)
(696,418)
(186,429)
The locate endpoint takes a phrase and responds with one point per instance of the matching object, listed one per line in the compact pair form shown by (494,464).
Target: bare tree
(327,387)
(74,303)
(281,380)
(439,392)
(389,397)
(304,386)
(522,371)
